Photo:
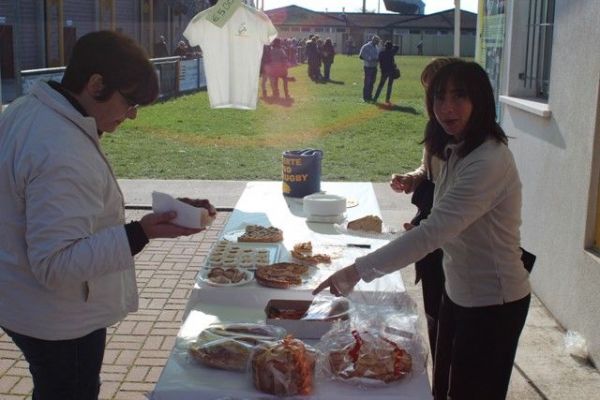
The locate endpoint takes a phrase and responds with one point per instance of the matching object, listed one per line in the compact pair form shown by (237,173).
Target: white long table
(262,203)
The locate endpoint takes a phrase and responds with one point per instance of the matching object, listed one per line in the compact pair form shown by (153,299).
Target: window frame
(535,74)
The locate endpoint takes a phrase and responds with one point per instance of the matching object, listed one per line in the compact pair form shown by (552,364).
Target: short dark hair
(482,124)
(122,63)
(388,44)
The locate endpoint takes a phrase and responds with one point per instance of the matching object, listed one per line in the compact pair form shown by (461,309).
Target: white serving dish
(321,204)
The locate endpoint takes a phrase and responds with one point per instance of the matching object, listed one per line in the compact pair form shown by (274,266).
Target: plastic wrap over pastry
(229,346)
(370,353)
(284,368)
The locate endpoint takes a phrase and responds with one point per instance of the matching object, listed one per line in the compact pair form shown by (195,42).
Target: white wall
(559,162)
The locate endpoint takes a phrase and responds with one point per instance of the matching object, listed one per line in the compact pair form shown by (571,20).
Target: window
(341,30)
(538,52)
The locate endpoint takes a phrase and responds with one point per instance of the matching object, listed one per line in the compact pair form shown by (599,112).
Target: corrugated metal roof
(294,15)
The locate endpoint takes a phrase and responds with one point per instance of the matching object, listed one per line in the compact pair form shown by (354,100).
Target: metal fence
(175,76)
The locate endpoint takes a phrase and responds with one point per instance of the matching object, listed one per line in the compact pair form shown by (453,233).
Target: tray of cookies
(228,254)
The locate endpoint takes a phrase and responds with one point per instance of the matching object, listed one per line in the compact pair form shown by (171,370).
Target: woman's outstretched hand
(340,283)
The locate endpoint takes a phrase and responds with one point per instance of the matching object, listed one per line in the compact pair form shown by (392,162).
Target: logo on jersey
(243,29)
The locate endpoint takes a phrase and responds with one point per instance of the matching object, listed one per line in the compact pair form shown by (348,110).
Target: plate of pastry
(369,226)
(219,276)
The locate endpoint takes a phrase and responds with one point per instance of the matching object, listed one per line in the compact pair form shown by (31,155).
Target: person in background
(369,53)
(181,50)
(475,219)
(161,49)
(420,48)
(313,58)
(67,255)
(421,182)
(327,55)
(264,62)
(387,66)
(277,68)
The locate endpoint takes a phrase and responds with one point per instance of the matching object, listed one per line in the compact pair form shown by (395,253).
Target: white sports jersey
(232,55)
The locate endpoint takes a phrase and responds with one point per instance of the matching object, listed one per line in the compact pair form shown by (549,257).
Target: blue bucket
(301,172)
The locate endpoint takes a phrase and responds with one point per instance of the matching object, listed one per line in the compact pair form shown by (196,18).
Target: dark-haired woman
(387,66)
(475,220)
(327,56)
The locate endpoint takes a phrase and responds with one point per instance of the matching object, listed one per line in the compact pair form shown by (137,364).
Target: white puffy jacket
(66,268)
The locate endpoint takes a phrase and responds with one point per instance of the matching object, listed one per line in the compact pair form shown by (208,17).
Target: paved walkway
(138,347)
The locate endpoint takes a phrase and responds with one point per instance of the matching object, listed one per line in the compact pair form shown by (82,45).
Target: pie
(258,233)
(369,223)
(280,275)
(304,252)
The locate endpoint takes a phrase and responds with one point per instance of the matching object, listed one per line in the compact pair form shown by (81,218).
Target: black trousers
(431,275)
(64,369)
(385,77)
(476,349)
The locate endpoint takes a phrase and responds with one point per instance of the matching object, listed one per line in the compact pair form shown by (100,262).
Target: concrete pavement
(137,348)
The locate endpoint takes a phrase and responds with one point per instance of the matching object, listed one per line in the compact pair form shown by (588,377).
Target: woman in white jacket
(475,220)
(66,253)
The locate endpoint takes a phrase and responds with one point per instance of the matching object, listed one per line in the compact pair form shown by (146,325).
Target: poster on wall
(493,27)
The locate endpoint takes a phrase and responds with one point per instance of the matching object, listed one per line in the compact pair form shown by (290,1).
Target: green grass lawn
(183,138)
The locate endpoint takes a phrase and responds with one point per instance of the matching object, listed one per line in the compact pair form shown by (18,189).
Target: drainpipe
(456,28)
(364,6)
(17,48)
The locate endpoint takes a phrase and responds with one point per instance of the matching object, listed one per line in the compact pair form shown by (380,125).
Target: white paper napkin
(187,215)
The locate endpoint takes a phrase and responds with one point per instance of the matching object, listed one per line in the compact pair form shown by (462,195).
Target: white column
(456,28)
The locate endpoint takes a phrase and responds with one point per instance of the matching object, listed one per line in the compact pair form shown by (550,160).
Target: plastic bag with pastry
(372,350)
(284,368)
(229,346)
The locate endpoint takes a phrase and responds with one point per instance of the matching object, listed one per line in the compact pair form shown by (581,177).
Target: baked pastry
(225,275)
(227,353)
(372,357)
(259,331)
(280,275)
(369,223)
(229,346)
(304,252)
(258,233)
(283,368)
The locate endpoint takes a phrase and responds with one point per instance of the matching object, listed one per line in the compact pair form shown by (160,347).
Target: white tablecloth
(262,203)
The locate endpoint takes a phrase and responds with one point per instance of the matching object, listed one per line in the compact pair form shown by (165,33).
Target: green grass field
(183,138)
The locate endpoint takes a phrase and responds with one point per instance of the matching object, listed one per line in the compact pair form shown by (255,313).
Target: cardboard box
(287,314)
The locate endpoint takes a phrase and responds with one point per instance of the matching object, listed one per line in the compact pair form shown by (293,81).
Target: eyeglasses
(130,102)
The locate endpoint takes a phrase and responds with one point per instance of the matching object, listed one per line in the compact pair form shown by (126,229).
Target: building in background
(431,35)
(543,57)
(38,34)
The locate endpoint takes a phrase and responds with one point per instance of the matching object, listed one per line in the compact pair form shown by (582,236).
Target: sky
(431,6)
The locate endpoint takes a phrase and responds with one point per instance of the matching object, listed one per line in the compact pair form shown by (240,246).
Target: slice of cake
(369,223)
